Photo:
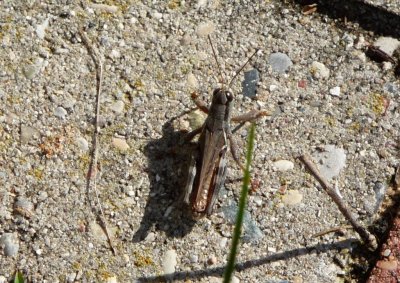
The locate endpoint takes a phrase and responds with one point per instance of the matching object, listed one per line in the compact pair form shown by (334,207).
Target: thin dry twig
(364,234)
(92,173)
(332,230)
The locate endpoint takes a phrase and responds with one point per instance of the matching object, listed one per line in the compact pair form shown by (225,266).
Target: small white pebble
(335,91)
(283,165)
(386,252)
(273,87)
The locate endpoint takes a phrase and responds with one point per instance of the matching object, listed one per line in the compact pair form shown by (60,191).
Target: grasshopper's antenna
(216,60)
(241,68)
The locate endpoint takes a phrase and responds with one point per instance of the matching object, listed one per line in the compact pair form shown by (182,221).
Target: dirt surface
(325,96)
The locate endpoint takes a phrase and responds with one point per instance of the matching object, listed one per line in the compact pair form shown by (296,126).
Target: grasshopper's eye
(229,96)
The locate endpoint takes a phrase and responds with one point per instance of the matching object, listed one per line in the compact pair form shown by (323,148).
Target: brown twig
(92,174)
(332,230)
(364,234)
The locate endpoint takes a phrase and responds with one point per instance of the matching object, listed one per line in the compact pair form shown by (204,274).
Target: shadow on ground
(168,163)
(218,271)
(369,17)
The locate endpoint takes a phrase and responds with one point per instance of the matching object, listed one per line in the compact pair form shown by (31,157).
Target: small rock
(283,165)
(3,279)
(330,161)
(24,207)
(292,197)
(169,262)
(71,277)
(30,71)
(249,85)
(251,232)
(105,8)
(235,279)
(192,82)
(118,106)
(273,87)
(279,62)
(387,44)
(10,244)
(223,242)
(387,65)
(28,133)
(150,237)
(41,29)
(391,88)
(212,260)
(82,143)
(60,112)
(157,15)
(319,70)
(201,4)
(120,144)
(335,91)
(205,28)
(193,258)
(115,54)
(386,253)
(111,279)
(360,43)
(387,265)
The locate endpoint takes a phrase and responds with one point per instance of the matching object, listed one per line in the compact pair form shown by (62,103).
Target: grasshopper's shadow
(167,171)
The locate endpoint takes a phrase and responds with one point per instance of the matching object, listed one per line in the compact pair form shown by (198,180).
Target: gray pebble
(30,71)
(82,143)
(60,112)
(10,243)
(330,161)
(249,85)
(71,277)
(251,232)
(118,106)
(279,62)
(392,88)
(41,29)
(387,44)
(194,258)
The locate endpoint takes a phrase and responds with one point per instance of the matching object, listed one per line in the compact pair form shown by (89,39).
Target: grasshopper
(208,167)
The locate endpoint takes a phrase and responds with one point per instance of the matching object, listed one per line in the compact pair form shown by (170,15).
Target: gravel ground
(325,96)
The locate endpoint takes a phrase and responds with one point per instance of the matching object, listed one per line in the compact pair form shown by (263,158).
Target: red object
(302,84)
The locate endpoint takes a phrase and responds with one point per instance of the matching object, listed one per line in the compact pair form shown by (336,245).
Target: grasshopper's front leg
(199,102)
(249,116)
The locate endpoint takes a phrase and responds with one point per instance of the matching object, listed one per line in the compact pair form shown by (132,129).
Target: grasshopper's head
(222,96)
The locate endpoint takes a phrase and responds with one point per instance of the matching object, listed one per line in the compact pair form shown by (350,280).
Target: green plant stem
(242,204)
